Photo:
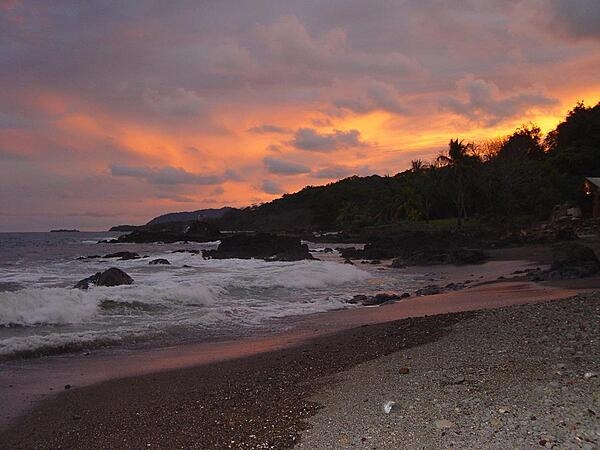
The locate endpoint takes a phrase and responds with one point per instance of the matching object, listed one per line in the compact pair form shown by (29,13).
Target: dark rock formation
(159,261)
(431,289)
(124,228)
(197,231)
(377,299)
(271,247)
(123,255)
(397,263)
(110,277)
(467,256)
(572,260)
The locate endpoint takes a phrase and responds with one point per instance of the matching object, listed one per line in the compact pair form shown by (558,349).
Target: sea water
(191,299)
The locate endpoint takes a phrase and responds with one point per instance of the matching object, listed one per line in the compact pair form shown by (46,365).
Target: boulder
(159,261)
(270,247)
(377,299)
(572,260)
(431,289)
(123,255)
(397,263)
(467,256)
(110,277)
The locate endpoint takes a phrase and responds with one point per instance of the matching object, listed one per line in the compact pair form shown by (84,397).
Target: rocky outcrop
(467,256)
(270,247)
(159,261)
(110,277)
(123,256)
(196,231)
(377,299)
(572,260)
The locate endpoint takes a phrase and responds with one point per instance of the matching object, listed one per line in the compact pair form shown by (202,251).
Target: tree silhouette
(459,160)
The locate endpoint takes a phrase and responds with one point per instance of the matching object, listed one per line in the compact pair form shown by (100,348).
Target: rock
(443,424)
(193,251)
(327,250)
(270,247)
(467,256)
(405,295)
(159,261)
(431,289)
(404,371)
(572,260)
(397,263)
(67,386)
(373,300)
(196,231)
(110,277)
(347,261)
(375,261)
(123,255)
(589,375)
(388,406)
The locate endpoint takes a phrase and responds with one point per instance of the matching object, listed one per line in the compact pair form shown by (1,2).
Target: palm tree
(460,159)
(417,166)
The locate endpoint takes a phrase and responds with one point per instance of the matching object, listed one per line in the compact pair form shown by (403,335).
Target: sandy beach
(265,392)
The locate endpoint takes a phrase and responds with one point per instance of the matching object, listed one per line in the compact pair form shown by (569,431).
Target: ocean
(192,299)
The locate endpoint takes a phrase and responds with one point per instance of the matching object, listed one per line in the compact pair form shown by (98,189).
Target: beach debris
(159,261)
(110,277)
(388,406)
(443,424)
(67,386)
(403,370)
(589,375)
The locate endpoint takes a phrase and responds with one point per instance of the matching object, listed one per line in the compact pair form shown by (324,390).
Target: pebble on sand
(443,424)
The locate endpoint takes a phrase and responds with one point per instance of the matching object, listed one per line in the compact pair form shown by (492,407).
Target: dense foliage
(519,177)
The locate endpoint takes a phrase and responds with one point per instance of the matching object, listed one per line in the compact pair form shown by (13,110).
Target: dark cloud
(164,175)
(282,167)
(578,18)
(310,139)
(481,101)
(268,129)
(271,187)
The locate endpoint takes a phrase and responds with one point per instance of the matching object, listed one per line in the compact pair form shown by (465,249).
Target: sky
(114,112)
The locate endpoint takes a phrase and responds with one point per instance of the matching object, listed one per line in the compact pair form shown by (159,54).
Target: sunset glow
(117,114)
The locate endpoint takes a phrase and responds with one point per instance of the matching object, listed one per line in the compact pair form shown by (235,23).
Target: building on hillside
(592,189)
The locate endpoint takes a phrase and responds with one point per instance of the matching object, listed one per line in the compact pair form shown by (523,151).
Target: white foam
(45,306)
(212,294)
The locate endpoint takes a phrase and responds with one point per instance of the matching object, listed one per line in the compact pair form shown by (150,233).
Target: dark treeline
(514,179)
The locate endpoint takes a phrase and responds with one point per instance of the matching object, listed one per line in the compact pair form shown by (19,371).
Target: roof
(594,180)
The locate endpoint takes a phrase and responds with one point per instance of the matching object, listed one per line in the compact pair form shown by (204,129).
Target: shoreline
(36,379)
(271,399)
(26,383)
(335,326)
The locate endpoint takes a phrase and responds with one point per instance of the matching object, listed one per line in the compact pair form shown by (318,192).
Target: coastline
(317,341)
